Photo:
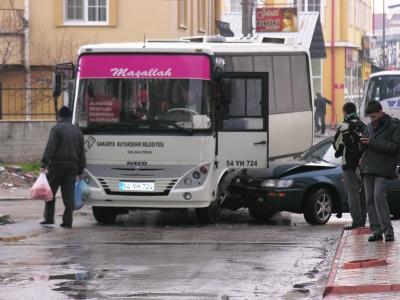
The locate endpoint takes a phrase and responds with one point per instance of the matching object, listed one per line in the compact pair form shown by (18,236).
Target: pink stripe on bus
(145,66)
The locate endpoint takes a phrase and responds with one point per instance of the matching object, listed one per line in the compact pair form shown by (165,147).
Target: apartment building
(37,34)
(346,24)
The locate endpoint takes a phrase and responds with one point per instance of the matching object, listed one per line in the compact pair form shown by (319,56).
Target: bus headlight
(194,178)
(188,181)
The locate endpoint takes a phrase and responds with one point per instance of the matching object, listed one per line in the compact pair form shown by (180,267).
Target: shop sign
(339,86)
(276,20)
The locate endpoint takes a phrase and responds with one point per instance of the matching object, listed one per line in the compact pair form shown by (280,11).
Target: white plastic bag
(41,189)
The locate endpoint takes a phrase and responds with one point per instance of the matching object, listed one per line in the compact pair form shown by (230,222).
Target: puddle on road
(73,285)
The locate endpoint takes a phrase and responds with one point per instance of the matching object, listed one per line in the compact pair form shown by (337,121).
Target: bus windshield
(143,104)
(383,88)
(138,92)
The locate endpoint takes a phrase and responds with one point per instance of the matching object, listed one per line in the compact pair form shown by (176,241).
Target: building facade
(345,23)
(46,32)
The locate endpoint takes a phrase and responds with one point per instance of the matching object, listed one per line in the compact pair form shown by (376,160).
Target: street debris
(13,177)
(6,219)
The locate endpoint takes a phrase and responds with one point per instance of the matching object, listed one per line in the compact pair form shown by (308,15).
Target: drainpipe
(28,73)
(333,118)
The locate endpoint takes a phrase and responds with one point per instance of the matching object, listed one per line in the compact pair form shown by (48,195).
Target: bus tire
(105,215)
(209,214)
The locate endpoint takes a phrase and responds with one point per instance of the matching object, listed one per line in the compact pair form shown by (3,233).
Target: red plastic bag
(41,189)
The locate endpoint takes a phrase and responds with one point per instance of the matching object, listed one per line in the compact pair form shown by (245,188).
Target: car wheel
(104,215)
(261,214)
(318,207)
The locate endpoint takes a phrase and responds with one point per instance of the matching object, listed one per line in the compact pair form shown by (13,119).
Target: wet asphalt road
(167,255)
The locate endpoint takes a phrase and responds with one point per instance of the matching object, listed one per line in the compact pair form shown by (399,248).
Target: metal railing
(15,106)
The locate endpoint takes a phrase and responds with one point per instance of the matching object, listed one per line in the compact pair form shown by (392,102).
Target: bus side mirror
(227,94)
(57,81)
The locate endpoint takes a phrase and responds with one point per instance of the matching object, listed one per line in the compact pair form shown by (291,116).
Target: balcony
(11,36)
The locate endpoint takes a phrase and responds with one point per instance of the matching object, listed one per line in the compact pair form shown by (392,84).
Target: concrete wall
(22,141)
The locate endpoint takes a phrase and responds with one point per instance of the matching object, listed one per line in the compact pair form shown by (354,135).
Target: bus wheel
(210,214)
(105,215)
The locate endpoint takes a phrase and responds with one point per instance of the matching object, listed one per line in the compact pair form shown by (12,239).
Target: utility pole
(247,17)
(384,36)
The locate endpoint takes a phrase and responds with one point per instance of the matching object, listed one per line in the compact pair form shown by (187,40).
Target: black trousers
(319,117)
(62,175)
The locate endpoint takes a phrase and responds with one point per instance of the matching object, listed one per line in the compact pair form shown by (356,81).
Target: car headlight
(277,183)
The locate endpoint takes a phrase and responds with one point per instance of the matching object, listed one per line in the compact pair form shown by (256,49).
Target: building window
(86,12)
(351,13)
(202,16)
(236,6)
(308,5)
(183,14)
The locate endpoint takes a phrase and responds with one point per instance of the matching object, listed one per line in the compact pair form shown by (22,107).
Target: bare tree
(63,48)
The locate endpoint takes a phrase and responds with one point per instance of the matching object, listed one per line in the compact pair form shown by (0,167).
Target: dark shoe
(389,237)
(375,237)
(65,225)
(47,222)
(351,226)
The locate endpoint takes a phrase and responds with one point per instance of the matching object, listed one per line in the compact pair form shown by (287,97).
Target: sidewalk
(14,194)
(318,137)
(365,270)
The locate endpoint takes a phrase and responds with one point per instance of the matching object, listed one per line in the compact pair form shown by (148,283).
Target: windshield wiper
(168,123)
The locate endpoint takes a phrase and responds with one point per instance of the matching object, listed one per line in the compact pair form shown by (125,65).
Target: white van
(385,88)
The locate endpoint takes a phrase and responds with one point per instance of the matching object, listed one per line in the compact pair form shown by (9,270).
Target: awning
(310,33)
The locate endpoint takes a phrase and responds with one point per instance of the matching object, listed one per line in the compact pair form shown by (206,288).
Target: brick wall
(22,141)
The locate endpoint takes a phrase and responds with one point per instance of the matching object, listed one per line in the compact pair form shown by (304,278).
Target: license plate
(136,186)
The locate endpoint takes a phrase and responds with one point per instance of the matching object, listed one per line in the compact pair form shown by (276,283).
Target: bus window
(244,112)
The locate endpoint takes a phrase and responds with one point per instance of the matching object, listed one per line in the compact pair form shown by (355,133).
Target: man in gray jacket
(378,164)
(64,157)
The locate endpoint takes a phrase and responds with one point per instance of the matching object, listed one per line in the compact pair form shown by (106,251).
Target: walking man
(347,145)
(378,164)
(320,111)
(64,157)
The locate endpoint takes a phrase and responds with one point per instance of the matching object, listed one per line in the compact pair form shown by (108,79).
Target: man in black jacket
(320,111)
(347,145)
(378,164)
(64,157)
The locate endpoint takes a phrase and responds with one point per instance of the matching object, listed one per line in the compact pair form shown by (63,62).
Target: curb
(335,265)
(22,199)
(338,290)
(14,198)
(22,231)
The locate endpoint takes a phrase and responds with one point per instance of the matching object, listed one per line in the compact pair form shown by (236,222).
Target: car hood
(280,169)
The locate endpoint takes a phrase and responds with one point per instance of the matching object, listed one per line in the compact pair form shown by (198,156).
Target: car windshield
(167,104)
(321,152)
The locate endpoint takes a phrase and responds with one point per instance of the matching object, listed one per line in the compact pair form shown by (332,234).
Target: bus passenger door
(242,137)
